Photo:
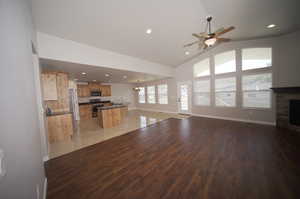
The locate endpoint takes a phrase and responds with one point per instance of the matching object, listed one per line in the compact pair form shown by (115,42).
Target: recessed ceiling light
(106,75)
(271,26)
(124,76)
(149,31)
(187,53)
(83,73)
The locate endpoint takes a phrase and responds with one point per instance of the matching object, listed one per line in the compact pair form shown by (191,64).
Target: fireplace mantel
(286,89)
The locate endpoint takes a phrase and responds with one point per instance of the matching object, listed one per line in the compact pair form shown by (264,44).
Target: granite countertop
(111,107)
(59,113)
(87,103)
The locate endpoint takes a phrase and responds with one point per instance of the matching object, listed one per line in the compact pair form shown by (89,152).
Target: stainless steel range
(95,104)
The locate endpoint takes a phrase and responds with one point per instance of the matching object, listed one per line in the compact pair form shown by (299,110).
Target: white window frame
(144,96)
(196,92)
(235,91)
(154,95)
(160,95)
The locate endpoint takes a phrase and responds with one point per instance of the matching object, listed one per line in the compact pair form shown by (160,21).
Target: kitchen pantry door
(184,93)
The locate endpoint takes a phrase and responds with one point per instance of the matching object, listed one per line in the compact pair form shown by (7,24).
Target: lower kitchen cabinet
(85,111)
(60,127)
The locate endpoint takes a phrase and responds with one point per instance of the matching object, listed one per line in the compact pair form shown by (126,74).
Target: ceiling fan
(208,38)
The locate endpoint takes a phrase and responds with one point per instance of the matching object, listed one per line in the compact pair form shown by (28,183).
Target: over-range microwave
(95,93)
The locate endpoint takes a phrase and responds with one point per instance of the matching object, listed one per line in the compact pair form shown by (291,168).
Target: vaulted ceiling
(120,25)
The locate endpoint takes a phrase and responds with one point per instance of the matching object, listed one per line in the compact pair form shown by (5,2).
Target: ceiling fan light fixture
(210,41)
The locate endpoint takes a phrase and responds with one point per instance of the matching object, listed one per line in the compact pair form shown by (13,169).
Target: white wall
(289,60)
(51,47)
(19,127)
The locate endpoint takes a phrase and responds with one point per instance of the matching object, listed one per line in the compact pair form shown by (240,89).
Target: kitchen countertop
(59,113)
(87,103)
(111,107)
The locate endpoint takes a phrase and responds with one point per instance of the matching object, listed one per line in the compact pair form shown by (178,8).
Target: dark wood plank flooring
(195,158)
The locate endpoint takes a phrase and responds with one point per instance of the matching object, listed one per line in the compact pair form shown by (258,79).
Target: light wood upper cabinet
(61,104)
(95,86)
(49,86)
(106,90)
(83,90)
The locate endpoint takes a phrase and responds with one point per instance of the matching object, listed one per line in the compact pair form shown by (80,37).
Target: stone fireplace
(288,107)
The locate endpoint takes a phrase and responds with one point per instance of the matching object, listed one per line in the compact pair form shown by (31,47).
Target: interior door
(184,97)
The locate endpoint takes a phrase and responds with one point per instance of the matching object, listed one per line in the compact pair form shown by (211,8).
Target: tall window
(256,90)
(162,94)
(225,91)
(225,62)
(253,58)
(202,68)
(142,95)
(151,94)
(202,92)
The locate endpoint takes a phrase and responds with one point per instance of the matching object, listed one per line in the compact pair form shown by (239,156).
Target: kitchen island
(110,116)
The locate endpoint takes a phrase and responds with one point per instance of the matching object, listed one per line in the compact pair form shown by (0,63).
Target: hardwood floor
(193,158)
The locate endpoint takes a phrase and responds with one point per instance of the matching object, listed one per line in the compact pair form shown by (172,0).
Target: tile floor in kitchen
(88,132)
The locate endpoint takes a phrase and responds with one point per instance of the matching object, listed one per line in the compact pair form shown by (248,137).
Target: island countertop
(111,107)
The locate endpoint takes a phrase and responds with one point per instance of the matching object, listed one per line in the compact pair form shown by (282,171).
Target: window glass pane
(202,99)
(225,99)
(225,91)
(256,93)
(202,68)
(163,94)
(141,95)
(202,92)
(226,84)
(257,99)
(225,62)
(256,58)
(151,94)
(257,82)
(202,86)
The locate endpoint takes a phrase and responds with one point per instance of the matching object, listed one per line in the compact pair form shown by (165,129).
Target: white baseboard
(235,119)
(214,117)
(156,110)
(46,158)
(45,188)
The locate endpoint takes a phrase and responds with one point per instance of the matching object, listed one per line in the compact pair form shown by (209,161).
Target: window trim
(266,68)
(144,95)
(203,78)
(158,94)
(235,60)
(154,94)
(271,94)
(235,91)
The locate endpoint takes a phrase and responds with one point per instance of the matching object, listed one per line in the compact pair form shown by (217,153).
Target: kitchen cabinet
(109,117)
(85,111)
(61,103)
(83,90)
(106,90)
(60,127)
(49,86)
(94,86)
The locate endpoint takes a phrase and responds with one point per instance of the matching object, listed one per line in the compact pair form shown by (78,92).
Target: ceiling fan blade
(200,35)
(219,30)
(223,40)
(190,44)
(225,31)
